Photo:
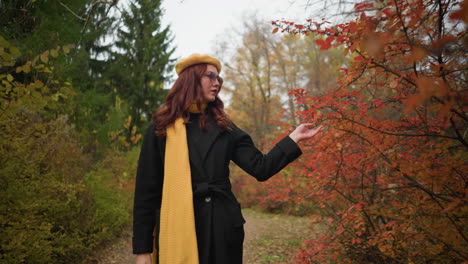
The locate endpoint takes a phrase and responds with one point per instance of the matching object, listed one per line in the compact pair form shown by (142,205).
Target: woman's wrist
(294,137)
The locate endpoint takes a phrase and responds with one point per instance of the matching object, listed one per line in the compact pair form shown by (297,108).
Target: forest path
(269,238)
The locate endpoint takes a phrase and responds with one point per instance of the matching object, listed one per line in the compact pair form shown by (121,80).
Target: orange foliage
(389,173)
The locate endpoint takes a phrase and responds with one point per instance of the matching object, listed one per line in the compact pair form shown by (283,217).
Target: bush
(111,184)
(53,210)
(42,189)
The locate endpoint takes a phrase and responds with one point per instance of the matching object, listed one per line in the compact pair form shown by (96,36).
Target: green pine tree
(143,59)
(37,26)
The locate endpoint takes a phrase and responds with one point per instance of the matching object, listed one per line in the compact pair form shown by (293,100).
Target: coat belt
(221,188)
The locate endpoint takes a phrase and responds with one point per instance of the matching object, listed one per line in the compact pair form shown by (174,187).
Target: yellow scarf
(177,236)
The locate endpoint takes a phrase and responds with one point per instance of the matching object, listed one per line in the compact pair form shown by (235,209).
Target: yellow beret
(196,59)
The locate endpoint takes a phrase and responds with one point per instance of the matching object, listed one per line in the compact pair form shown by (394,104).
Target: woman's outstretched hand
(304,131)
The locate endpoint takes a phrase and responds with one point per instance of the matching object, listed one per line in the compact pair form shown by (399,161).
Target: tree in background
(142,59)
(389,174)
(322,66)
(66,155)
(255,96)
(259,77)
(37,26)
(289,71)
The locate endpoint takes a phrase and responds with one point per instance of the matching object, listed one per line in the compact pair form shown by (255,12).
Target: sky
(196,24)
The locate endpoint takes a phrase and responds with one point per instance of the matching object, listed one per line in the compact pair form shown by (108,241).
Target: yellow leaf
(33,63)
(54,53)
(66,50)
(137,138)
(26,68)
(128,122)
(9,77)
(38,84)
(44,58)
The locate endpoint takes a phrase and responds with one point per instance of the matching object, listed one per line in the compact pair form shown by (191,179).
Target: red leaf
(352,27)
(358,58)
(324,45)
(461,14)
(378,102)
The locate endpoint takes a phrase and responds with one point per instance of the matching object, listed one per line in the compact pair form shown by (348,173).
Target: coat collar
(205,139)
(201,145)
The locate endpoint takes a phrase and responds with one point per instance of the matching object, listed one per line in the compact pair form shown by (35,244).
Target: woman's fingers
(304,131)
(314,131)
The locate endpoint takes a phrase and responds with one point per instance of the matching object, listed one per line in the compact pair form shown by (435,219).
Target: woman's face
(210,83)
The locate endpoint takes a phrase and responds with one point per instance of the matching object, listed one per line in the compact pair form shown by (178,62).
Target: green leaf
(6,84)
(6,57)
(4,43)
(36,94)
(10,78)
(15,51)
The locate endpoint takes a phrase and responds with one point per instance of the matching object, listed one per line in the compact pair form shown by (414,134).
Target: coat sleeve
(254,162)
(148,193)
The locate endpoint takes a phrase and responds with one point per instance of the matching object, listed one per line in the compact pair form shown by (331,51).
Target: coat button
(208,199)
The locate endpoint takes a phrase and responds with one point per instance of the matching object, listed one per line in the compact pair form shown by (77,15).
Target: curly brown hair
(186,91)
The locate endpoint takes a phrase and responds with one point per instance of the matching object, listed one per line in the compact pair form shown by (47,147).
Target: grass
(272,238)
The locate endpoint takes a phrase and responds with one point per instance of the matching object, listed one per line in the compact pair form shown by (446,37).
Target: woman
(184,210)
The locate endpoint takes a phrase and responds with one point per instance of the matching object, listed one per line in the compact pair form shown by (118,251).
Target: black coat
(218,218)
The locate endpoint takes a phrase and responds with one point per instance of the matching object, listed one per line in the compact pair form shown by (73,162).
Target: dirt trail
(269,238)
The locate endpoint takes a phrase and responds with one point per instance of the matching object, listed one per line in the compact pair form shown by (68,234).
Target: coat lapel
(201,145)
(195,155)
(206,140)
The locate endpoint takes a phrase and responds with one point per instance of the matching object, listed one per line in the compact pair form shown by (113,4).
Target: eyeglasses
(213,76)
